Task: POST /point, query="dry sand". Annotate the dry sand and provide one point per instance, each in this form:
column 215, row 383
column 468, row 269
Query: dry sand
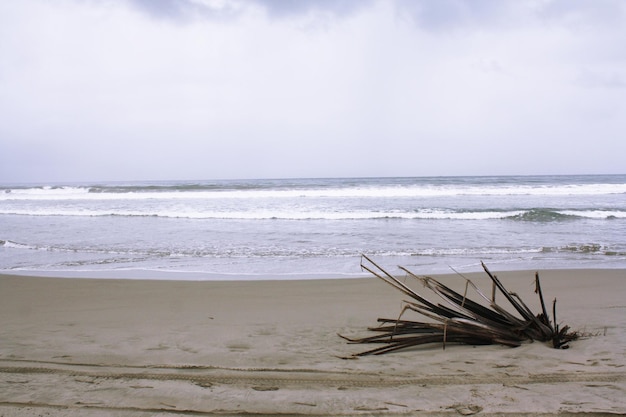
column 92, row 347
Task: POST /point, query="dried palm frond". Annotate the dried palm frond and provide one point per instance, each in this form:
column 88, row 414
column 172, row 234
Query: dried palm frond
column 460, row 319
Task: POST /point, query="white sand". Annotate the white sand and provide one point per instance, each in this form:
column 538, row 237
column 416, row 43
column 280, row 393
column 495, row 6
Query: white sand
column 87, row 347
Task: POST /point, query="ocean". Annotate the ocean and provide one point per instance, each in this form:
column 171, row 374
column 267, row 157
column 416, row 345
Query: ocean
column 312, row 228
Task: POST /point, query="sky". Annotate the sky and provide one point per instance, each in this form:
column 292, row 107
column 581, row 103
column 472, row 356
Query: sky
column 120, row 90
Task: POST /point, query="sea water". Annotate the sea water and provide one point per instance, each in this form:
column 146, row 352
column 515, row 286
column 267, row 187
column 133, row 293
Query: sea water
column 305, row 228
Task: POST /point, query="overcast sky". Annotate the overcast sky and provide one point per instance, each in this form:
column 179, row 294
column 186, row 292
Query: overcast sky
column 97, row 90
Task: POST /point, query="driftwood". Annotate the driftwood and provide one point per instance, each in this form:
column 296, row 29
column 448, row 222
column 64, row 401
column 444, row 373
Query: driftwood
column 460, row 319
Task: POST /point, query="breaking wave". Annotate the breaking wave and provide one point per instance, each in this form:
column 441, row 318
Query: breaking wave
column 305, row 213
column 322, row 188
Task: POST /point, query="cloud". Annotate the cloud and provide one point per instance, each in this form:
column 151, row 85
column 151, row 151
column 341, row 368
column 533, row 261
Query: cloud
column 288, row 8
column 583, row 14
column 453, row 14
column 184, row 9
column 164, row 8
column 207, row 89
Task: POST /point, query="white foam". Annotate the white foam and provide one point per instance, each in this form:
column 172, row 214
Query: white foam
column 43, row 193
column 15, row 245
column 264, row 214
column 475, row 251
column 390, row 191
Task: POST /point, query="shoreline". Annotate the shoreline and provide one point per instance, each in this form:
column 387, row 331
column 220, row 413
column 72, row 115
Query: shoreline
column 194, row 276
column 142, row 347
column 180, row 276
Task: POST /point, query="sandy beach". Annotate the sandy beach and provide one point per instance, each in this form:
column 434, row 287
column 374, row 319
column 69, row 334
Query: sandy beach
column 98, row 347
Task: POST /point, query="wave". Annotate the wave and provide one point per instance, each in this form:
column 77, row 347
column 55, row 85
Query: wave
column 477, row 252
column 306, row 189
column 549, row 215
column 585, row 248
column 526, row 215
column 106, row 251
column 574, row 248
column 15, row 245
column 117, row 255
column 120, row 255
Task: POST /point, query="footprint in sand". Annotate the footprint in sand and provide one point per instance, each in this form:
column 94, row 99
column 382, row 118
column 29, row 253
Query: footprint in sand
column 238, row 347
column 466, row 409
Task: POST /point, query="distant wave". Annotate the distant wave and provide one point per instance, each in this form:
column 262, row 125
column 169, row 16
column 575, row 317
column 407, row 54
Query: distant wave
column 210, row 192
column 529, row 215
column 549, row 215
column 15, row 245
